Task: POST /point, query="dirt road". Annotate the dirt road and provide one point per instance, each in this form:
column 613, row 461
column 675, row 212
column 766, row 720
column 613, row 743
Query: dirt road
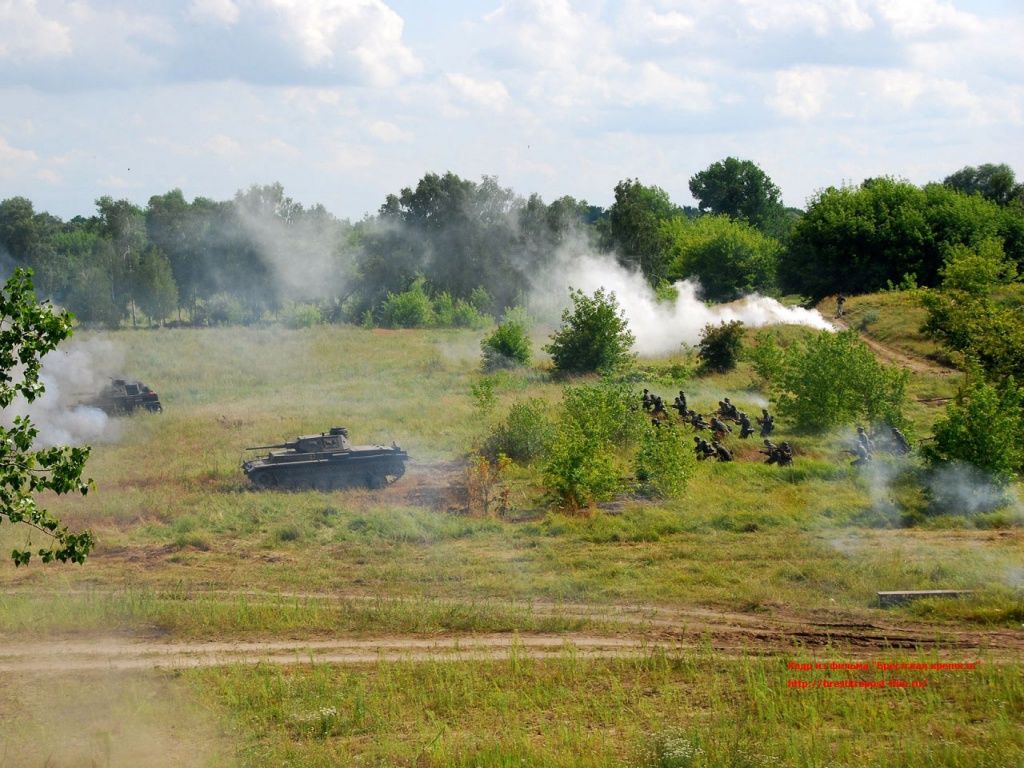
column 625, row 630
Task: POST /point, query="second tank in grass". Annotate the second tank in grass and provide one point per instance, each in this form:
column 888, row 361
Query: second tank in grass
column 324, row 461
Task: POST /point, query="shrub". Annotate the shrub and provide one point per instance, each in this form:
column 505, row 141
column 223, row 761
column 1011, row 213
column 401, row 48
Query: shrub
column 224, row 309
column 523, row 435
column 719, row 346
column 580, row 469
column 303, row 316
column 465, row 315
column 594, row 335
column 767, row 356
column 833, row 379
column 982, row 427
column 507, row 347
column 664, row 463
column 409, row 309
column 595, row 421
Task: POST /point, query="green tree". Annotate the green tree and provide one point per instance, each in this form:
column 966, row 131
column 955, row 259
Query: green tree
column 91, row 299
column 741, row 190
column 594, row 335
column 29, row 330
column 729, row 258
column 155, row 289
column 633, row 228
column 859, row 239
column 833, row 379
column 719, row 346
column 977, row 270
column 995, row 182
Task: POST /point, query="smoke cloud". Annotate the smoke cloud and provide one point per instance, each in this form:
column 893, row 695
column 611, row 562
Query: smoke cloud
column 306, row 254
column 659, row 327
column 71, row 374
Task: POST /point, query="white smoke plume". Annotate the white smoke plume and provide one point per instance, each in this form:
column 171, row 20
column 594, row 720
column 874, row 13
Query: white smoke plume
column 660, row 327
column 73, row 373
column 307, row 254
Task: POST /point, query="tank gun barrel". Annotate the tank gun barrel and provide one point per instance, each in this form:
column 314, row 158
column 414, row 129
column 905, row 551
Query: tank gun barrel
column 292, row 445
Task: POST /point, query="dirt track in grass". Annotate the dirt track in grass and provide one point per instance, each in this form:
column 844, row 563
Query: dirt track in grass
column 633, row 631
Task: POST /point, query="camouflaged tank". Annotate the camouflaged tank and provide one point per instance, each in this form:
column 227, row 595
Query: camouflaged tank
column 122, row 396
column 324, row 461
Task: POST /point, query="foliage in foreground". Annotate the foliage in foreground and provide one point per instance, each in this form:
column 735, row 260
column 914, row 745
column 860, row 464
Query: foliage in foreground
column 594, row 335
column 28, row 331
column 833, row 379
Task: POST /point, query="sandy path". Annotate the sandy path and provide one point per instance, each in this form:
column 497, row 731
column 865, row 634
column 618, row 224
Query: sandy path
column 629, row 630
column 899, row 357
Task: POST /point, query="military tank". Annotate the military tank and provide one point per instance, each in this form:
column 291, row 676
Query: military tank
column 123, row 396
column 324, row 461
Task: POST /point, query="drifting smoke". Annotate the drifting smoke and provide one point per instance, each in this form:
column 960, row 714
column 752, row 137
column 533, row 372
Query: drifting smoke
column 660, row 326
column 71, row 374
column 966, row 490
column 305, row 254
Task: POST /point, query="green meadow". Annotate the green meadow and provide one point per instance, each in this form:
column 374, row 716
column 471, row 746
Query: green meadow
column 188, row 551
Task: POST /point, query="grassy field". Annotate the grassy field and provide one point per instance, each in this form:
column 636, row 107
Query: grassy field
column 188, row 551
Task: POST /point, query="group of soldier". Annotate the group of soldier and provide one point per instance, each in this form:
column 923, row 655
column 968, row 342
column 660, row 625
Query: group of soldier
column 885, row 438
column 781, row 454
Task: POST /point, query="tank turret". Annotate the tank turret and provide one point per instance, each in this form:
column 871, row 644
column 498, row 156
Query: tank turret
column 326, row 460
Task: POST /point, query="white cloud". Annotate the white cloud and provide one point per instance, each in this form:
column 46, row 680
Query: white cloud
column 490, row 94
column 821, row 16
column 327, row 32
column 918, row 17
column 25, row 34
column 223, row 146
column 389, row 133
column 49, row 176
column 800, row 93
column 222, row 12
column 14, row 159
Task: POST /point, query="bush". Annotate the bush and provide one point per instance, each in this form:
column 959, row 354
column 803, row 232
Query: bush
column 767, row 356
column 719, row 346
column 664, row 463
column 580, row 470
column 409, row 309
column 465, row 315
column 595, row 421
column 507, row 347
column 224, row 309
column 833, row 379
column 982, row 427
column 303, row 316
column 594, row 335
column 524, row 434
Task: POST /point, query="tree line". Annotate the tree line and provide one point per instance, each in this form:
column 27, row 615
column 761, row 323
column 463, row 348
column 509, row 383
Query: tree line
column 450, row 250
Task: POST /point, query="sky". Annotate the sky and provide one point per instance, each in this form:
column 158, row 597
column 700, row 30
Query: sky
column 346, row 101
